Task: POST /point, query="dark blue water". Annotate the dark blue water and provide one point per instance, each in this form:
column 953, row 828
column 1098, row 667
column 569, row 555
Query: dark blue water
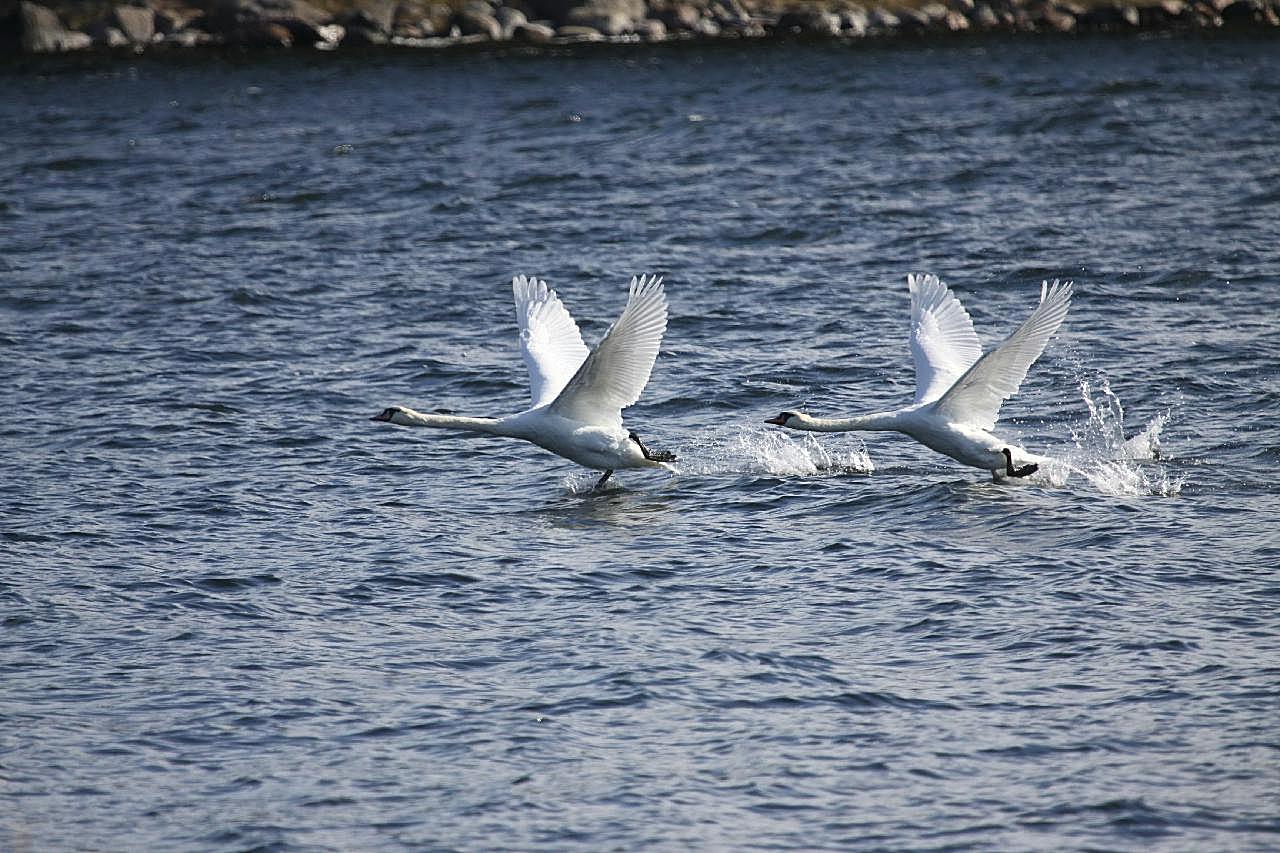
column 235, row 614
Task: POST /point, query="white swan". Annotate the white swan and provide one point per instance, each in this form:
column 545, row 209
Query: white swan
column 959, row 390
column 578, row 397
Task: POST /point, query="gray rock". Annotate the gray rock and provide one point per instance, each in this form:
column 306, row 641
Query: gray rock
column 577, row 32
column 985, row 18
column 913, row 21
column 729, row 13
column 533, row 33
column 416, row 20
column 607, row 22
column 707, row 28
column 935, row 12
column 307, row 25
column 329, row 36
column 474, row 22
column 509, row 18
column 262, row 23
column 610, row 17
column 138, row 23
column 1175, row 10
column 651, row 29
column 187, row 38
column 1057, row 19
column 42, row 32
column 168, row 22
column 105, row 35
column 361, row 35
column 809, row 22
column 680, row 17
column 882, row 19
column 853, row 21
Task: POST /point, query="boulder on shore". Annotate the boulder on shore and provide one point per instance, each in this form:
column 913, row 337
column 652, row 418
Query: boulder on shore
column 40, row 31
column 610, row 17
column 35, row 27
column 808, row 22
column 138, row 23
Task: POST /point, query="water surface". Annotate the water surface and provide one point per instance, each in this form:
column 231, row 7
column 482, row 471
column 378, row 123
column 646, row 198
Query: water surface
column 239, row 615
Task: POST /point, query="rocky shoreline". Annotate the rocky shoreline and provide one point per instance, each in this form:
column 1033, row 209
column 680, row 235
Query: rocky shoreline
column 150, row 25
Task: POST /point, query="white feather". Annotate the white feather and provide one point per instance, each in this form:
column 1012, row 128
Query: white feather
column 943, row 342
column 615, row 373
column 549, row 339
column 976, row 397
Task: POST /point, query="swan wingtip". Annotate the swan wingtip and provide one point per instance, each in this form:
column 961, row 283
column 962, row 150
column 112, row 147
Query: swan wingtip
column 1057, row 289
column 646, row 283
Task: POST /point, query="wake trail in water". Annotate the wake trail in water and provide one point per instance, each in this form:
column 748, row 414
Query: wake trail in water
column 751, row 450
column 755, row 450
column 1100, row 452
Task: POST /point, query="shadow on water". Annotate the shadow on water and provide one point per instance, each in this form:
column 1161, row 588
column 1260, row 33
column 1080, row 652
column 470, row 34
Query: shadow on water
column 640, row 499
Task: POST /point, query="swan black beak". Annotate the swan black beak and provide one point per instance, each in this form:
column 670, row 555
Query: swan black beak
column 777, row 421
column 382, row 416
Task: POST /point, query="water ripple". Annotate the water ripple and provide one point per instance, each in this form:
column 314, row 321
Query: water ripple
column 236, row 614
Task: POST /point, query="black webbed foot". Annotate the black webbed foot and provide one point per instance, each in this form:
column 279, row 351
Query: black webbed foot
column 1010, row 471
column 601, row 481
column 652, row 455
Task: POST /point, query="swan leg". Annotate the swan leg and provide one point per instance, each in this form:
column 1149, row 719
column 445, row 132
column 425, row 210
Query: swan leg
column 607, row 475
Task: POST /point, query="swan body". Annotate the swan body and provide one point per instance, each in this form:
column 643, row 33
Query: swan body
column 577, row 395
column 959, row 391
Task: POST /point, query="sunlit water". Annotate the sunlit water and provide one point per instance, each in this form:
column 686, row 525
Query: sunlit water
column 236, row 614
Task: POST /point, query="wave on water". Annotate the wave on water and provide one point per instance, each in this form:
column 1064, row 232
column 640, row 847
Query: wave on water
column 1112, row 462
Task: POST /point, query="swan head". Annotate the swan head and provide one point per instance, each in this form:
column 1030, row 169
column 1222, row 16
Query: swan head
column 392, row 415
column 787, row 419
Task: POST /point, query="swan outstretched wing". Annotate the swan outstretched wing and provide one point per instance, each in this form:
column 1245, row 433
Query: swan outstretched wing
column 615, row 373
column 976, row 396
column 549, row 339
column 943, row 342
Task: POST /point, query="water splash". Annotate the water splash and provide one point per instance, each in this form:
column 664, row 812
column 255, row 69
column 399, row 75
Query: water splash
column 1100, row 453
column 752, row 450
column 755, row 450
column 1113, row 463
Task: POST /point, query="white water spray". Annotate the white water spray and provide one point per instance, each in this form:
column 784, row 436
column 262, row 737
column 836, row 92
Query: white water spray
column 1113, row 463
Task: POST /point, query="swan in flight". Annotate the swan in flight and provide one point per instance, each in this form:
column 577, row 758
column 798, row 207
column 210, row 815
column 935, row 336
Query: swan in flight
column 578, row 396
column 959, row 390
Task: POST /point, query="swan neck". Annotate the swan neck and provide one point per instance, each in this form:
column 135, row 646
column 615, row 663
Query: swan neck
column 493, row 426
column 877, row 421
